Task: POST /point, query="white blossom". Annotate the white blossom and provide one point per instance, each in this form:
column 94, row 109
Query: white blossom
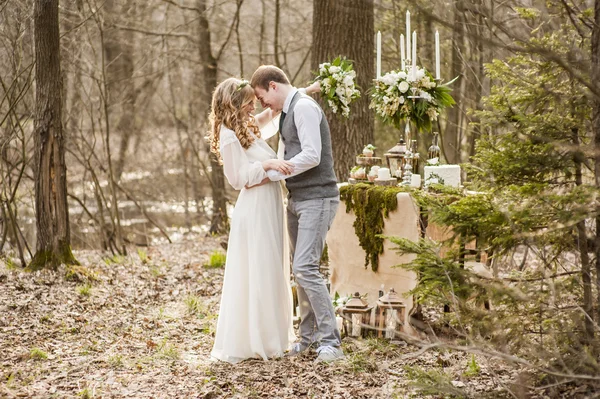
column 425, row 95
column 403, row 86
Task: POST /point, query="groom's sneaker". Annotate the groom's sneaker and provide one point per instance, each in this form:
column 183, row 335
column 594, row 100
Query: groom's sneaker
column 298, row 348
column 329, row 354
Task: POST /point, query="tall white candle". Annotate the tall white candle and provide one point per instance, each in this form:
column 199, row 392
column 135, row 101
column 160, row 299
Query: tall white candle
column 407, row 33
column 378, row 55
column 402, row 53
column 437, row 54
column 414, row 53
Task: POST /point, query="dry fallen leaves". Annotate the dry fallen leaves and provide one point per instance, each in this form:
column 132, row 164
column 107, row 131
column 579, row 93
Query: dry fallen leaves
column 143, row 327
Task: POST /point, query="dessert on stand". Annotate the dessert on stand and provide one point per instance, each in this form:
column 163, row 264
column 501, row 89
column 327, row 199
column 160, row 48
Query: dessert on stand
column 366, row 167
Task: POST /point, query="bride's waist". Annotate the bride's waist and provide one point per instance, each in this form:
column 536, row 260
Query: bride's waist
column 268, row 185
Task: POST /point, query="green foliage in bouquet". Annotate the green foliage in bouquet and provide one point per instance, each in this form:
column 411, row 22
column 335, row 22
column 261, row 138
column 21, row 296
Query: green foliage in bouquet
column 338, row 86
column 398, row 96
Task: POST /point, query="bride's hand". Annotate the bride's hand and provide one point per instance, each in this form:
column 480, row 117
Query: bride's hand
column 313, row 88
column 279, row 165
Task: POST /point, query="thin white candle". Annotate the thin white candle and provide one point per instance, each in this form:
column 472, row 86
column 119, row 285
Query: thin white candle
column 437, row 55
column 402, row 53
column 378, row 55
column 414, row 54
column 407, row 33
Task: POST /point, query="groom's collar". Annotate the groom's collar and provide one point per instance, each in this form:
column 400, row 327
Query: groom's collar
column 288, row 99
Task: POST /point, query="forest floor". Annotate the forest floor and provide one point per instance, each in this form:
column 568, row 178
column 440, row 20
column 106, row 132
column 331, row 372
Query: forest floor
column 142, row 326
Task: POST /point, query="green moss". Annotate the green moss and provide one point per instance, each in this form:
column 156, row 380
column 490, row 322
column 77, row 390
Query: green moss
column 371, row 205
column 79, row 273
column 51, row 259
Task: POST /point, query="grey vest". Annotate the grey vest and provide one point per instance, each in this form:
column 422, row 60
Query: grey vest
column 320, row 181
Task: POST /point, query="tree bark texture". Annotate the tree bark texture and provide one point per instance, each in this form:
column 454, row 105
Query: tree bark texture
column 451, row 137
column 595, row 75
column 346, row 27
column 219, row 222
column 52, row 213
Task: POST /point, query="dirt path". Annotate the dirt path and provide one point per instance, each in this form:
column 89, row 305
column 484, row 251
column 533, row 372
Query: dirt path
column 143, row 328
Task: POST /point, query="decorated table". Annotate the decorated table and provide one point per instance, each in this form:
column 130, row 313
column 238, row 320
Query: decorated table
column 348, row 273
column 355, row 262
column 377, row 199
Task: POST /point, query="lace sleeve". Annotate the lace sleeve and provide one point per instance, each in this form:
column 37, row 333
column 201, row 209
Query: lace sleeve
column 227, row 137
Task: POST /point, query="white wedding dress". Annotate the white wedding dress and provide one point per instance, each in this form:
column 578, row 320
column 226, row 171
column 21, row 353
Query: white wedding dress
column 255, row 315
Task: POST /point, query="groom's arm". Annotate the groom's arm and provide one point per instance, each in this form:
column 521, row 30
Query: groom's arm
column 307, row 118
column 265, row 117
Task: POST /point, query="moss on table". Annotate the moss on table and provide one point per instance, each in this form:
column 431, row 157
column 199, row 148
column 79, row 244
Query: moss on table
column 371, row 205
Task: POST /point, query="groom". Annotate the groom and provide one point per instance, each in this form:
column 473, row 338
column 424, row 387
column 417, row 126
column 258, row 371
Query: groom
column 313, row 201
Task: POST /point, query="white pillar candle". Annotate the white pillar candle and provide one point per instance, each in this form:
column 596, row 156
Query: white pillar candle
column 383, row 174
column 414, row 54
column 407, row 33
column 378, row 55
column 415, row 180
column 402, row 53
column 437, row 54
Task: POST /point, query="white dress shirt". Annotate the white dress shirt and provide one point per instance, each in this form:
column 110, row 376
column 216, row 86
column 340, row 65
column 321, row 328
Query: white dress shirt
column 307, row 118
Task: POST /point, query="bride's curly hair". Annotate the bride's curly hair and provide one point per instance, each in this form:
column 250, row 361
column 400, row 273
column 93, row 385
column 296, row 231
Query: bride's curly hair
column 228, row 101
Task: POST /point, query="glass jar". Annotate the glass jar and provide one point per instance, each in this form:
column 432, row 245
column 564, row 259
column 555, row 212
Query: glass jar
column 434, row 149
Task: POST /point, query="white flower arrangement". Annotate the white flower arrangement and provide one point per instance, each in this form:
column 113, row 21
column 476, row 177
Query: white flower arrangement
column 402, row 95
column 338, row 85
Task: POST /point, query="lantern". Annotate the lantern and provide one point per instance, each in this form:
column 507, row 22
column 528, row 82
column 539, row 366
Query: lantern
column 390, row 314
column 395, row 158
column 356, row 315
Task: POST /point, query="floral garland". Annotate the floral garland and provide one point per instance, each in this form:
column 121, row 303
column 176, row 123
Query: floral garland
column 404, row 95
column 338, row 85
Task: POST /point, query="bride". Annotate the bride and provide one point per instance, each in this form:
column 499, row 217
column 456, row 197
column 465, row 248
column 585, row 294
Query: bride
column 255, row 315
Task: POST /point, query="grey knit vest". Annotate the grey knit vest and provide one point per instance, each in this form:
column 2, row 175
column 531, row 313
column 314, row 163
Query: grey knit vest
column 320, row 181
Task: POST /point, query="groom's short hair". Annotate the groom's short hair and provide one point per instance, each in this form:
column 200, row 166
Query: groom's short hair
column 268, row 73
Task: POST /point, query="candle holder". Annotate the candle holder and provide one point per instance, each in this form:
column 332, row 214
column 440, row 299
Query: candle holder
column 395, row 158
column 407, row 175
column 434, row 149
column 416, row 157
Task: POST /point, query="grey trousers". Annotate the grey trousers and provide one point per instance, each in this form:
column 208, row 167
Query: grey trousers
column 308, row 223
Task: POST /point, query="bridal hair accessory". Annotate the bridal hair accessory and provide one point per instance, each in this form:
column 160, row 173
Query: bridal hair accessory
column 242, row 84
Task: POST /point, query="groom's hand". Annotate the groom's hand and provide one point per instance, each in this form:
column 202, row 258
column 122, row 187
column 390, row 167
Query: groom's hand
column 264, row 181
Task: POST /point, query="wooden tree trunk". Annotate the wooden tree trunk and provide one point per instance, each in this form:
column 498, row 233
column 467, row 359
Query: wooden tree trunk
column 595, row 75
column 451, row 136
column 582, row 243
column 346, row 27
column 478, row 57
column 219, row 222
column 52, row 213
column 118, row 50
